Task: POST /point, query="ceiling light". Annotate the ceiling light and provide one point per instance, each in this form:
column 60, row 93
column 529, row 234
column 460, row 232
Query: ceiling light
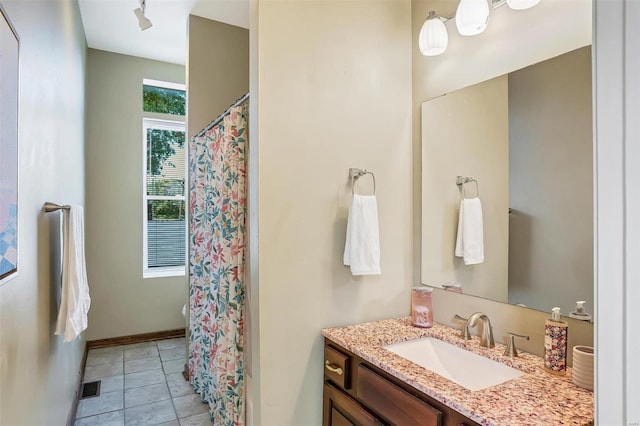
column 433, row 38
column 144, row 23
column 472, row 17
column 522, row 4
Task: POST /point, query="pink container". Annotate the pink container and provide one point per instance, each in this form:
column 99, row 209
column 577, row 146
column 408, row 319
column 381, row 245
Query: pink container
column 421, row 307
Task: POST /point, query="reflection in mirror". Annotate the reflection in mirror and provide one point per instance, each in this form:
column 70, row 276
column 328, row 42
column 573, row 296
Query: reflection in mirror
column 526, row 137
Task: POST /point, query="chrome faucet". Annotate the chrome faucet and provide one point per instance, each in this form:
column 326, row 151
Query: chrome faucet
column 486, row 337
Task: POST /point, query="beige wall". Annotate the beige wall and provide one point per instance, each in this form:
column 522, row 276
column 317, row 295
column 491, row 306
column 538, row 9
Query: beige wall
column 124, row 303
column 217, row 69
column 550, row 183
column 479, row 149
column 463, row 64
column 334, row 90
column 38, row 372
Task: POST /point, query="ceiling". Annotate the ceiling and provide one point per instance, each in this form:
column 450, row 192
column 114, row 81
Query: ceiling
column 111, row 25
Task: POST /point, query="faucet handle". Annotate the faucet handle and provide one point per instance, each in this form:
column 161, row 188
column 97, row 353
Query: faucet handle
column 465, row 326
column 511, row 347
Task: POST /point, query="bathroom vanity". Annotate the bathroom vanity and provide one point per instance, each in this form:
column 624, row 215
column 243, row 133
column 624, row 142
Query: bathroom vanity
column 367, row 384
column 356, row 392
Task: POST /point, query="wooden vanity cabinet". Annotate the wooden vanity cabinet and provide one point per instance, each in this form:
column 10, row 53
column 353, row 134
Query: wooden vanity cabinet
column 358, row 393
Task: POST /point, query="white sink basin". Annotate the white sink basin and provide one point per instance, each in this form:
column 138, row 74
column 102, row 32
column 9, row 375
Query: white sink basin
column 467, row 369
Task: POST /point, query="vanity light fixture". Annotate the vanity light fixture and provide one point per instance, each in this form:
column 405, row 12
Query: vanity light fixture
column 522, row 4
column 433, row 39
column 472, row 17
column 143, row 21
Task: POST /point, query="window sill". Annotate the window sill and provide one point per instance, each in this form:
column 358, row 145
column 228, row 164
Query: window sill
column 178, row 271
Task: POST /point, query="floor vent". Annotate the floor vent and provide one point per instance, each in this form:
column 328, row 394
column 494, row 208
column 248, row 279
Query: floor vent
column 90, row 389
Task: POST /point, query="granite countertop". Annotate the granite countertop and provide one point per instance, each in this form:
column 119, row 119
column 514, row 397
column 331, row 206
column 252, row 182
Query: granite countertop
column 536, row 398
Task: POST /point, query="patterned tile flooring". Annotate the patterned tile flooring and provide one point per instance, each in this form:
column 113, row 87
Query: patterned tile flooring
column 141, row 384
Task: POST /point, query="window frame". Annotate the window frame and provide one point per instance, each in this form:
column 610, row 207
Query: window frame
column 172, row 125
column 164, row 85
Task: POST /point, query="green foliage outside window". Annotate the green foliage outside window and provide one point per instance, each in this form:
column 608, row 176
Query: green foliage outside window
column 165, row 210
column 167, row 101
column 161, row 144
column 158, row 185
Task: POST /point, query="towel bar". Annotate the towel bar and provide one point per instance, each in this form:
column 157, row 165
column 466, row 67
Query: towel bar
column 52, row 207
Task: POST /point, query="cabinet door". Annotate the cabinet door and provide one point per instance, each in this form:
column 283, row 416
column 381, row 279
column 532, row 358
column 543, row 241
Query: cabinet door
column 341, row 410
column 337, row 419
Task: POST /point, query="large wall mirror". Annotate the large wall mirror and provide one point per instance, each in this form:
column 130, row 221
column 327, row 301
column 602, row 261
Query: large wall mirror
column 526, row 137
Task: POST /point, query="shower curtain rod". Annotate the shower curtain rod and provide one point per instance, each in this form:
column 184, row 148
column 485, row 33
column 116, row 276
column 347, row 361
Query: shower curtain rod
column 221, row 116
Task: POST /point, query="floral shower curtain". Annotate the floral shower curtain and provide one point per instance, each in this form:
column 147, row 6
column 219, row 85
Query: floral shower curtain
column 217, row 207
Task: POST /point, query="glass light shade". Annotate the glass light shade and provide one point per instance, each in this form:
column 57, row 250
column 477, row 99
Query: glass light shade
column 472, row 17
column 433, row 39
column 522, row 4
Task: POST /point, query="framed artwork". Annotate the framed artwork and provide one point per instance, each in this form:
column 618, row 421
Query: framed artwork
column 8, row 149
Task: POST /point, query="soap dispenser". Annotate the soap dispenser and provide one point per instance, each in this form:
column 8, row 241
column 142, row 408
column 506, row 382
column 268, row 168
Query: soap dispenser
column 580, row 313
column 555, row 343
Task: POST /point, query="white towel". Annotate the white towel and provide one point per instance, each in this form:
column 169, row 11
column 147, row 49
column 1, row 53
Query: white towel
column 362, row 246
column 470, row 240
column 74, row 306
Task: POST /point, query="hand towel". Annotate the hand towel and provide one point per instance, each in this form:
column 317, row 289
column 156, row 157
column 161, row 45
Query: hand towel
column 470, row 239
column 362, row 246
column 75, row 303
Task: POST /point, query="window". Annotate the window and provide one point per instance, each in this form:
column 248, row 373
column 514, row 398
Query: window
column 163, row 97
column 164, row 220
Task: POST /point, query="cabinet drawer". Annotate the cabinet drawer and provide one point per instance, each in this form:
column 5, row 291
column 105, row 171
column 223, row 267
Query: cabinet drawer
column 394, row 404
column 337, row 367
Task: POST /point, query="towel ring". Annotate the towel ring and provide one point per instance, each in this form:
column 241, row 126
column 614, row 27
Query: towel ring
column 355, row 174
column 461, row 181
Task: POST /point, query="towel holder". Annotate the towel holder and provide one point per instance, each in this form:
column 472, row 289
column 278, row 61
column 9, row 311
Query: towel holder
column 462, row 180
column 355, row 174
column 52, row 207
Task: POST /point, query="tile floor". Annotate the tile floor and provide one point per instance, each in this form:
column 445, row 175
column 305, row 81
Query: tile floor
column 141, row 384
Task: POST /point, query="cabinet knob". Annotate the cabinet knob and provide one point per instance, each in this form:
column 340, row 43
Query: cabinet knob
column 333, row 368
